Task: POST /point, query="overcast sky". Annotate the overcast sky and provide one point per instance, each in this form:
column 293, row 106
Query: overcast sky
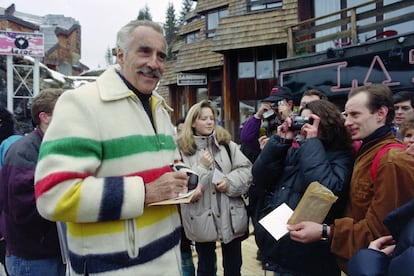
column 99, row 19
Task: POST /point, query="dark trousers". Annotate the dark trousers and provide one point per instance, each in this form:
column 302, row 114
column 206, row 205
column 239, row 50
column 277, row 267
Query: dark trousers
column 232, row 258
column 187, row 264
column 3, row 253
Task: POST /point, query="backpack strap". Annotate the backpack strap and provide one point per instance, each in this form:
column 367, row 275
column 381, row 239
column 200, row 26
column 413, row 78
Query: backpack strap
column 378, row 156
column 228, row 151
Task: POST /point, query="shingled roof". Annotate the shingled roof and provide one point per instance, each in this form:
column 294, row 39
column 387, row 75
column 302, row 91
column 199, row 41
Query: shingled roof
column 255, row 29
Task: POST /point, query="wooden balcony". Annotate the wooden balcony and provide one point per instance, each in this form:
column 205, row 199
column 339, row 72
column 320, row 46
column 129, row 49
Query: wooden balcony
column 303, row 38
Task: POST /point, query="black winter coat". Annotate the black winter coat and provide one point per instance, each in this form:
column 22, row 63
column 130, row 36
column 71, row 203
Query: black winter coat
column 369, row 262
column 281, row 174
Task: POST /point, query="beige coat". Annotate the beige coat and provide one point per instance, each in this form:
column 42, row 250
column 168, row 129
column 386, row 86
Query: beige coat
column 218, row 216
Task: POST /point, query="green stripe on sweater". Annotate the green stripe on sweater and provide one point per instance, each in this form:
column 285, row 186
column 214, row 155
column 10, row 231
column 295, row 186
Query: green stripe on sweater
column 114, row 148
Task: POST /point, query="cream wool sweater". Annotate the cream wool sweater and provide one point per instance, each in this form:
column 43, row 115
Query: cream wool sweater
column 97, row 154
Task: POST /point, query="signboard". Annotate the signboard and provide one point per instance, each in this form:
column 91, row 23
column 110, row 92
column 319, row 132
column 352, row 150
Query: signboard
column 392, row 67
column 18, row 43
column 191, row 79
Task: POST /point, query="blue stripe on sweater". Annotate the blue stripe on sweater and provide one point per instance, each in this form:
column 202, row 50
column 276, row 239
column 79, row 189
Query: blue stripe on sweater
column 112, row 199
column 116, row 261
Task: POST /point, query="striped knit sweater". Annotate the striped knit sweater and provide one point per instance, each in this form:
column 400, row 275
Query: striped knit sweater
column 97, row 154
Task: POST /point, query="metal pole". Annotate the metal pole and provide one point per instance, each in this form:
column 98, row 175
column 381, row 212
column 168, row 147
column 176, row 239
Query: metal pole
column 10, row 86
column 36, row 77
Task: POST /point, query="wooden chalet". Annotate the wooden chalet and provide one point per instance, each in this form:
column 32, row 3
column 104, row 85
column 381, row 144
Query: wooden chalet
column 231, row 51
column 62, row 37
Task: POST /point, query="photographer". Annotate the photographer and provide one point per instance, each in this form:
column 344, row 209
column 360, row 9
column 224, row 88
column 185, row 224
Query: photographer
column 273, row 110
column 283, row 171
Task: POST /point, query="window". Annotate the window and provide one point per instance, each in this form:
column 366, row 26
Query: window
column 323, row 8
column 213, row 20
column 363, row 36
column 264, row 69
column 258, row 63
column 246, row 64
column 257, row 5
column 202, row 94
column 402, row 27
column 192, row 37
column 264, row 64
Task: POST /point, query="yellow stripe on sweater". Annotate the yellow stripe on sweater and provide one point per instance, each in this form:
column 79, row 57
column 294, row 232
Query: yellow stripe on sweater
column 70, row 198
column 152, row 215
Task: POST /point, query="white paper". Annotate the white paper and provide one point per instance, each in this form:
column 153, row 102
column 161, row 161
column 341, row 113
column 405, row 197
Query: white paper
column 217, row 176
column 185, row 195
column 276, row 221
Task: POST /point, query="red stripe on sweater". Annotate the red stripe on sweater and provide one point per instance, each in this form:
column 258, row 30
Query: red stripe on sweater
column 54, row 179
column 151, row 175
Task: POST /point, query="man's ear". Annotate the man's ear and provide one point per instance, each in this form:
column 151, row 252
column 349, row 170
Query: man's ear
column 44, row 118
column 382, row 113
column 120, row 56
column 290, row 103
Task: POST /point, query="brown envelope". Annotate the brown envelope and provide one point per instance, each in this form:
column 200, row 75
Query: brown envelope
column 314, row 204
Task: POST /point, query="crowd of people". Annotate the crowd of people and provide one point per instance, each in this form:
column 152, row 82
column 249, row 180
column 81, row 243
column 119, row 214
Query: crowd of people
column 31, row 240
column 88, row 191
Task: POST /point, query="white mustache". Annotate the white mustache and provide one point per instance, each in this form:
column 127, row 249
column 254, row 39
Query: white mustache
column 146, row 70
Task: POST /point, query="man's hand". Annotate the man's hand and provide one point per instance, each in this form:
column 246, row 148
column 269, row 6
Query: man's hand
column 306, row 232
column 265, row 106
column 167, row 186
column 385, row 244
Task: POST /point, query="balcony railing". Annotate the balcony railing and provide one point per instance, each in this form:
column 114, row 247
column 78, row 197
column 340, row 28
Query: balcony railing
column 303, row 37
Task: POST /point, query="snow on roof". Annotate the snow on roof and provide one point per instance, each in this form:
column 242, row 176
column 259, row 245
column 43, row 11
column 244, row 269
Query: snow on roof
column 55, row 75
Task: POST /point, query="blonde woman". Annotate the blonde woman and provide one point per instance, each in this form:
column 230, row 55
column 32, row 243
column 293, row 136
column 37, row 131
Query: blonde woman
column 224, row 175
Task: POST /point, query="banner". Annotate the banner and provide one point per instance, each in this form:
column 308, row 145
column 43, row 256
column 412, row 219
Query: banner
column 18, row 43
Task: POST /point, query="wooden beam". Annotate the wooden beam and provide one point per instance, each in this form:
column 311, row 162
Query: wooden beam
column 325, row 38
column 290, row 44
column 354, row 30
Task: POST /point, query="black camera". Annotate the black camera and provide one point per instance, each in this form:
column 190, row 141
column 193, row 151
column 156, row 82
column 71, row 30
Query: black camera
column 298, row 122
column 192, row 176
column 271, row 112
column 192, row 181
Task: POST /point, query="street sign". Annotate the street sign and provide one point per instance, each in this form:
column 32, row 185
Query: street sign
column 18, row 43
column 191, row 79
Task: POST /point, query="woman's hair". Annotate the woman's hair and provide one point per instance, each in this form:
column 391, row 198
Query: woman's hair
column 185, row 140
column 123, row 38
column 7, row 123
column 332, row 131
column 406, row 124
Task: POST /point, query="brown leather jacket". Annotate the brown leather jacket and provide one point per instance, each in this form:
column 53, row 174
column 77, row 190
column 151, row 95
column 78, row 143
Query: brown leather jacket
column 370, row 202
